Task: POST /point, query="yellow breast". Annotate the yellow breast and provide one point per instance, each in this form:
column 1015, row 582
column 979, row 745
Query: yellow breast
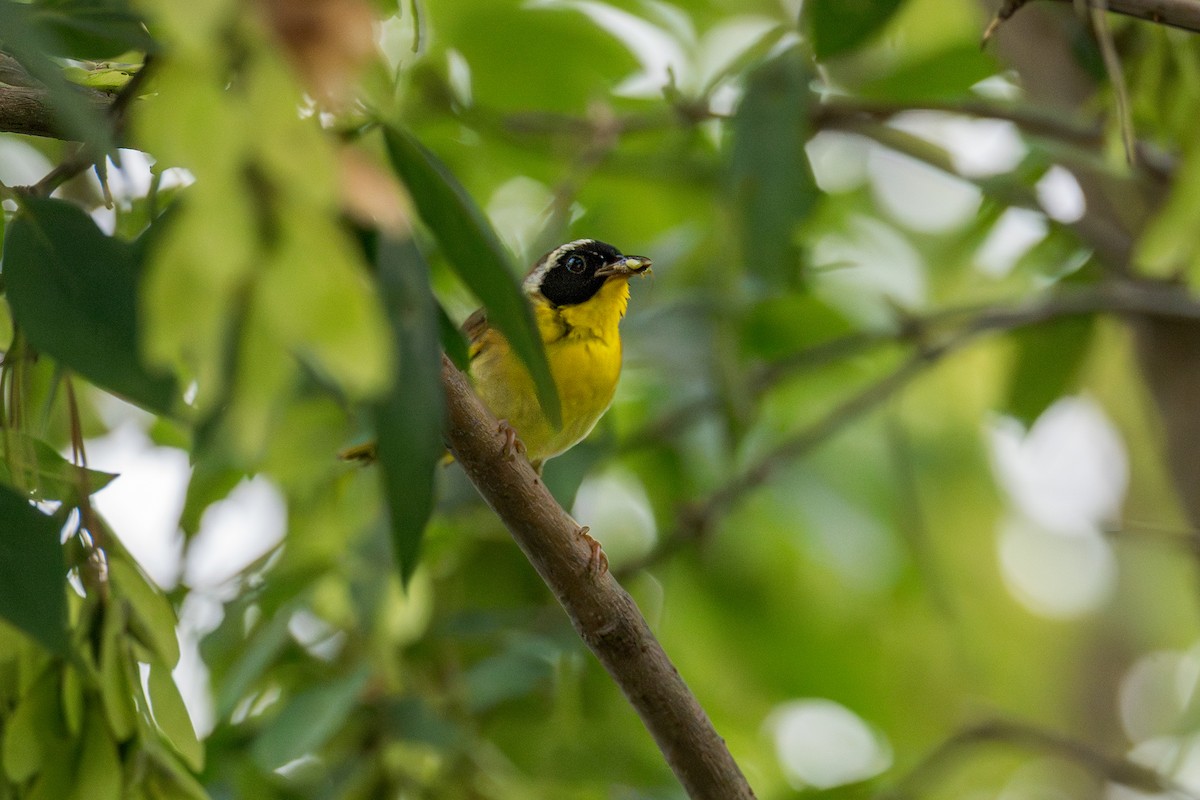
column 584, row 349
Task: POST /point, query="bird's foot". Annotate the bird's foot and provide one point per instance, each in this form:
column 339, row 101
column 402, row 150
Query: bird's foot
column 597, row 563
column 512, row 445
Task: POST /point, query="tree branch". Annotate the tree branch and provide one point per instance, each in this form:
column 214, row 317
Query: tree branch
column 603, row 614
column 1111, row 242
column 27, row 109
column 1182, row 14
column 1116, row 770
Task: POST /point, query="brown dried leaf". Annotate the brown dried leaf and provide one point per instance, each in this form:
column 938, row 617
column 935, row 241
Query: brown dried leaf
column 370, row 193
column 328, row 42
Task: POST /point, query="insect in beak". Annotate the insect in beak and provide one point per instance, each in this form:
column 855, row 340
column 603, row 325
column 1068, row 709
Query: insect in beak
column 626, row 265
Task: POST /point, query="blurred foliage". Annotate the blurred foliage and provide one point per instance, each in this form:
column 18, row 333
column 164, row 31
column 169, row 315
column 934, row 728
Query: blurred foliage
column 881, row 464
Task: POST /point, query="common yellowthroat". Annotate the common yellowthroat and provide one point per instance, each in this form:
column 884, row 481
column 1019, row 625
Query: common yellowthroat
column 579, row 292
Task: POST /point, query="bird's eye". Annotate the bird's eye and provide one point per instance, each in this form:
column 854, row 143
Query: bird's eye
column 574, row 264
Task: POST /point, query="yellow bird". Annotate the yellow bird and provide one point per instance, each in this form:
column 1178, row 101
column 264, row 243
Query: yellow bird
column 579, row 292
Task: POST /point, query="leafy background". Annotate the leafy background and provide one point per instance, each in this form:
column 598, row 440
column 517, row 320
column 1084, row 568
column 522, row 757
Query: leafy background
column 904, row 442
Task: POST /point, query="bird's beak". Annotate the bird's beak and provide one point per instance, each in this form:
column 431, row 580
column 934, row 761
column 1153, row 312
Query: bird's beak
column 626, row 266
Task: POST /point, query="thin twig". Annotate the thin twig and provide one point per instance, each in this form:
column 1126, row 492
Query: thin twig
column 77, row 160
column 1116, row 76
column 801, row 444
column 1109, row 768
column 1005, row 189
column 1113, row 242
column 1115, row 297
column 1124, row 298
column 604, row 615
column 933, row 343
column 819, row 355
column 696, row 519
column 79, row 458
column 834, row 113
column 1187, row 539
column 1031, row 120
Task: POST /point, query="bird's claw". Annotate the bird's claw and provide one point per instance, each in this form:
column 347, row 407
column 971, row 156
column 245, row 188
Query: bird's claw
column 512, row 445
column 597, row 563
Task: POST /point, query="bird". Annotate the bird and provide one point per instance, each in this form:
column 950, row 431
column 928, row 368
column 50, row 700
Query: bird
column 579, row 292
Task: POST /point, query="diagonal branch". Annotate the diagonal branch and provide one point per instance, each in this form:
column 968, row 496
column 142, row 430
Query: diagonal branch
column 1032, row 120
column 1139, row 298
column 935, row 336
column 1152, row 299
column 604, row 615
column 1109, row 768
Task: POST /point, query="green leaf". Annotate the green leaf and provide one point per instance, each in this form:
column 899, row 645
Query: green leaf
column 168, row 779
column 945, row 74
column 73, row 291
column 784, row 325
column 151, row 617
column 115, row 692
column 415, row 720
column 408, row 422
column 73, row 109
column 253, row 657
column 55, row 784
column 309, row 720
column 171, row 716
column 1059, row 254
column 313, row 296
column 526, row 663
column 112, row 80
column 37, row 467
column 476, row 254
column 33, row 574
column 34, row 734
column 90, row 29
column 211, row 481
column 838, row 26
column 1049, row 358
column 1169, row 244
column 72, row 699
column 98, row 776
column 773, row 188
